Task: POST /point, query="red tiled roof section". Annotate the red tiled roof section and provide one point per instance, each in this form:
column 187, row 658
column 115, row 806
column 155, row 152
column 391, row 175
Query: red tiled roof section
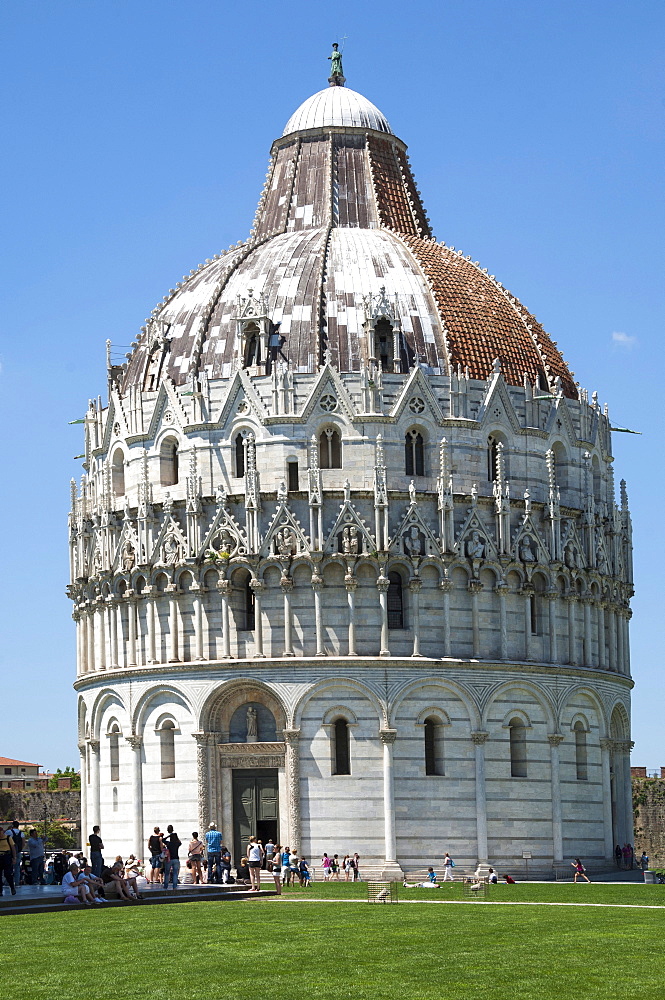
column 481, row 323
column 9, row 761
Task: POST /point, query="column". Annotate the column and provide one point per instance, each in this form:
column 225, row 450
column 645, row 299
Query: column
column 77, row 620
column 624, row 747
column 173, row 651
column 612, row 623
column 198, row 627
column 94, row 805
column 621, row 635
column 292, row 741
column 527, row 593
column 572, row 653
column 113, row 635
column 136, row 743
column 474, row 589
column 479, row 738
column 119, row 635
column 552, row 596
column 83, row 625
column 382, row 584
column 224, row 588
column 286, row 584
column 258, row 588
column 317, row 587
column 626, row 643
column 415, row 586
column 554, row 739
column 131, row 629
column 84, row 793
column 203, row 777
column 587, row 603
column 606, row 747
column 150, row 613
column 602, row 656
column 351, row 586
column 501, row 589
column 90, row 630
column 101, row 634
column 388, row 737
column 445, row 586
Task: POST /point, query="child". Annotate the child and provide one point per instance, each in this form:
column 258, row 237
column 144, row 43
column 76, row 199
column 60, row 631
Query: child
column 431, row 874
column 579, row 870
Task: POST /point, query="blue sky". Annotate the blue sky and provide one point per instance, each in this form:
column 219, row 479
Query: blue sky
column 136, row 139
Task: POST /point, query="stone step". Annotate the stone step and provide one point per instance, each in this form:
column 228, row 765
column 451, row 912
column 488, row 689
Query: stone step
column 11, row 905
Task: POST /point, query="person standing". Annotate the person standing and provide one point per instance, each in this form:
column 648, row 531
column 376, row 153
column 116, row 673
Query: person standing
column 448, row 865
column 356, row 867
column 254, row 862
column 18, row 839
column 214, row 846
column 96, row 848
column 644, row 861
column 155, row 849
column 173, row 844
column 36, row 850
column 196, row 848
column 7, row 859
column 270, row 850
column 325, row 864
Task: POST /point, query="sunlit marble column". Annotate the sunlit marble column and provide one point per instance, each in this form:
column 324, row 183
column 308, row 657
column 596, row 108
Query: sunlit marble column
column 445, row 586
column 94, row 804
column 415, row 586
column 317, row 587
column 351, row 586
column 479, row 738
column 554, row 740
column 224, row 589
column 258, row 588
column 606, row 748
column 388, row 737
column 474, row 589
column 382, row 585
column 286, row 583
column 113, row 634
column 203, row 770
column 84, row 791
column 292, row 741
column 136, row 743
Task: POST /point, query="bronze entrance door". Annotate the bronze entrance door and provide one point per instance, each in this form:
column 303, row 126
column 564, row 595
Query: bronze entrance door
column 255, row 807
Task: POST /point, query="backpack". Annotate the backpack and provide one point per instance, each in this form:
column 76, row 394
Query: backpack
column 18, row 839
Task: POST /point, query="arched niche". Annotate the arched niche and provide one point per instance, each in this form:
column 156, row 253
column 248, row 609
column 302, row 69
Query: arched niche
column 226, row 712
column 262, row 720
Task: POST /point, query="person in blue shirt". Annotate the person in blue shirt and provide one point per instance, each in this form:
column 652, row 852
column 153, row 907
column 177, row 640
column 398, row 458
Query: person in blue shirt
column 214, row 847
column 286, row 872
column 431, row 874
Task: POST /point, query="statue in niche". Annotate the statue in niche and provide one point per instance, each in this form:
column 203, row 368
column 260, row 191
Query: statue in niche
column 170, row 549
column 526, row 552
column 285, row 543
column 224, row 541
column 220, row 496
column 350, row 540
column 128, row 557
column 601, row 561
column 570, row 556
column 475, row 547
column 413, row 545
column 412, row 493
column 252, row 732
column 282, row 492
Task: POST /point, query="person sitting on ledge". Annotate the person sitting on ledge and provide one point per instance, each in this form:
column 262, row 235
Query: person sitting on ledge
column 75, row 889
column 242, row 873
column 96, row 885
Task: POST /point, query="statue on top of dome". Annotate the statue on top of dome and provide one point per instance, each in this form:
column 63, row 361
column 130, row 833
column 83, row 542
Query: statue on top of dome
column 336, row 78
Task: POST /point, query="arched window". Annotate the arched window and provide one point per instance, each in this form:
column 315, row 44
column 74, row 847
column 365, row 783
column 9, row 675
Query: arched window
column 118, row 473
column 395, row 601
column 252, row 340
column 341, row 756
column 330, row 449
column 580, row 751
column 517, row 748
column 240, row 456
column 414, row 454
column 384, row 344
column 167, row 748
column 560, row 465
column 433, row 746
column 597, row 480
column 250, row 609
column 114, row 752
column 168, row 463
column 492, row 458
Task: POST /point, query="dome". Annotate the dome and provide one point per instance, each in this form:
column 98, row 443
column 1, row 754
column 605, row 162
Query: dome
column 337, row 107
column 340, row 221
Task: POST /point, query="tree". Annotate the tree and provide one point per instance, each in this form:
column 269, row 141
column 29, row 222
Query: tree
column 69, row 772
column 58, row 836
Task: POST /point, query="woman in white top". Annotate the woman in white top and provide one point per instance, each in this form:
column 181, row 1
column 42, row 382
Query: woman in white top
column 254, row 861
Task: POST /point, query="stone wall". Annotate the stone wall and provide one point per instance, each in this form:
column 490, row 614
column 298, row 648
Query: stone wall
column 30, row 807
column 649, row 810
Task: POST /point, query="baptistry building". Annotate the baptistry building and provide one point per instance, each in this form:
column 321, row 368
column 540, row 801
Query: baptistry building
column 347, row 565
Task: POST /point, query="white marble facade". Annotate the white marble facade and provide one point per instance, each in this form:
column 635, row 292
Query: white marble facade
column 418, row 580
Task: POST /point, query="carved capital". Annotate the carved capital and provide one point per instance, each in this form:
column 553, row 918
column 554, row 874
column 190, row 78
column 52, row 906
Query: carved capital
column 572, row 598
column 350, row 583
column 81, row 747
column 479, row 737
column 474, row 586
column 291, row 737
column 388, row 736
column 203, row 739
column 135, row 742
column 607, row 744
column 224, row 587
column 286, row 583
column 550, row 595
column 415, row 585
column 445, row 586
column 382, row 584
column 554, row 739
column 94, row 746
column 258, row 586
column 501, row 589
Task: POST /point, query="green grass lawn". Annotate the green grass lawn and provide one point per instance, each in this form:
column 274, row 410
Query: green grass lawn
column 283, row 949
